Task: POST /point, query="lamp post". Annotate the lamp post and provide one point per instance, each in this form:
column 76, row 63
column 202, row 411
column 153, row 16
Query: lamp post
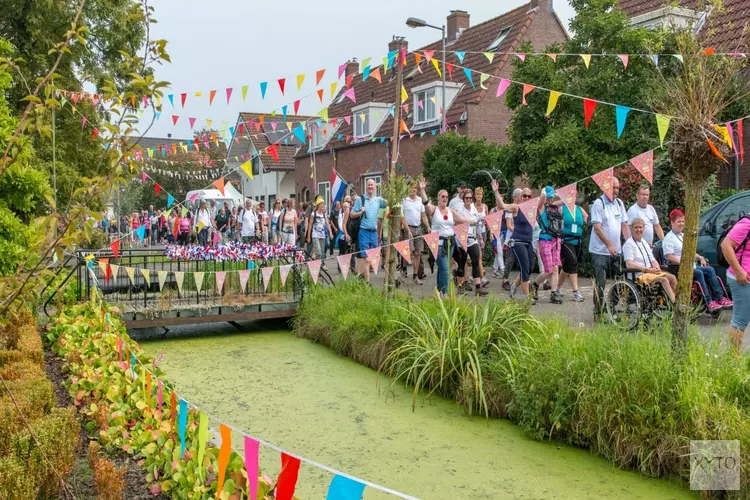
column 414, row 22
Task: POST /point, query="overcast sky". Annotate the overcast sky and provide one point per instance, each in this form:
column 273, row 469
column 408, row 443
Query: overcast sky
column 230, row 43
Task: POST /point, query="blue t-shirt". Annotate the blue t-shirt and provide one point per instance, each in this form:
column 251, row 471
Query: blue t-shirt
column 572, row 234
column 372, row 207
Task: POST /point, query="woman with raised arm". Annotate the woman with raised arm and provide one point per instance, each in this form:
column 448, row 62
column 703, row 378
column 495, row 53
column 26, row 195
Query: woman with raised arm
column 442, row 220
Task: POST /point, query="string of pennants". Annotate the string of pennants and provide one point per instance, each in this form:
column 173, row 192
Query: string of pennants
column 342, row 487
column 184, row 174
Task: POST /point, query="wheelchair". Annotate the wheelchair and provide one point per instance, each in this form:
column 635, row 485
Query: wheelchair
column 628, row 302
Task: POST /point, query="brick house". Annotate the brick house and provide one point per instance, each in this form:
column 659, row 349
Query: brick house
column 359, row 149
column 727, row 30
column 271, row 179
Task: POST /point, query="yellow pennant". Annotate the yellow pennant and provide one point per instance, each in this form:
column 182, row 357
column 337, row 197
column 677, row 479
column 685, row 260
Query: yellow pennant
column 209, row 123
column 334, row 85
column 437, row 67
column 198, row 280
column 198, row 94
column 146, row 276
column 131, row 274
column 179, row 278
column 490, row 56
column 483, row 78
column 200, row 225
column 724, row 133
column 162, row 278
column 300, row 81
column 244, row 92
column 404, row 95
column 586, row 59
column 248, row 169
column 662, row 123
column 554, row 95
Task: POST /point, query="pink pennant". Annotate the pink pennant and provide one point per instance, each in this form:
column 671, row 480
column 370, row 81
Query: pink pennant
column 174, row 119
column 462, row 234
column 75, row 98
column 403, row 247
column 83, row 121
column 220, row 277
column 644, row 163
column 296, row 106
column 433, row 241
column 216, row 238
column 344, row 261
column 314, row 267
column 284, row 272
column 273, row 126
column 350, row 94
column 144, row 176
column 521, row 56
column 568, row 195
column 605, row 181
column 267, row 272
column 624, row 58
column 348, row 119
column 192, row 122
column 244, row 275
column 502, row 87
column 229, row 93
column 529, row 209
column 420, row 104
column 193, row 197
column 494, row 222
column 251, row 465
column 159, row 395
column 342, row 68
column 119, row 348
column 428, row 54
column 373, row 258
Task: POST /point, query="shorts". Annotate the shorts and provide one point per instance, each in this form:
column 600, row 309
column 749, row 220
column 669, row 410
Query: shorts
column 741, row 299
column 549, row 252
column 367, row 239
column 570, row 255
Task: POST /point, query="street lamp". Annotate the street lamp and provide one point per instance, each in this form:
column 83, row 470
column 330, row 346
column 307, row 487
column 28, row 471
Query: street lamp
column 414, row 22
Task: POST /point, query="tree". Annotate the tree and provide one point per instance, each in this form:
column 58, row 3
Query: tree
column 454, row 158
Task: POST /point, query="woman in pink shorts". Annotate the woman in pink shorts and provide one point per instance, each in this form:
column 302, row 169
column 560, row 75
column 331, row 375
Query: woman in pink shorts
column 550, row 241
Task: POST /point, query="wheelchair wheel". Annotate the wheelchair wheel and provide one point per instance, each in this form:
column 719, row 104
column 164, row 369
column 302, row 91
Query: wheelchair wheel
column 660, row 305
column 624, row 304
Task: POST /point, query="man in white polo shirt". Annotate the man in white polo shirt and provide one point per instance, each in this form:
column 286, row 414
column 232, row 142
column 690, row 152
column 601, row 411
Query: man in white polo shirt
column 642, row 210
column 415, row 216
column 610, row 225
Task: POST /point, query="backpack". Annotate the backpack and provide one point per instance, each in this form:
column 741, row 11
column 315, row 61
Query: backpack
column 352, row 225
column 590, row 223
column 555, row 222
column 742, row 247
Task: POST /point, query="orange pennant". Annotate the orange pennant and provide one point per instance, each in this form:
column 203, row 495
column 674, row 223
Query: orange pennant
column 211, row 96
column 148, row 387
column 403, row 249
column 319, row 76
column 320, row 95
column 219, row 183
column 376, row 74
column 715, row 151
column 403, row 127
column 526, row 89
column 224, row 452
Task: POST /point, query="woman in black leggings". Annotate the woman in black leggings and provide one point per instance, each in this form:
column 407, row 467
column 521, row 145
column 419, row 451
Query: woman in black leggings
column 523, row 251
column 468, row 211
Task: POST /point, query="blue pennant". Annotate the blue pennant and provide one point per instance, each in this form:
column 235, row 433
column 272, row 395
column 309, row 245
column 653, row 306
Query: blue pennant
column 621, row 113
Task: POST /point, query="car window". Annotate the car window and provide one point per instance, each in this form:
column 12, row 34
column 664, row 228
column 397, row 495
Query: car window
column 732, row 212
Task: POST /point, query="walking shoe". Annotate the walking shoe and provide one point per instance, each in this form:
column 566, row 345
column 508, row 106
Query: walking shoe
column 506, row 285
column 553, row 298
column 512, row 288
column 725, row 303
column 484, row 282
column 468, row 287
column 418, row 281
column 577, row 296
column 559, row 293
column 714, row 306
column 496, row 274
column 534, row 291
column 546, row 286
column 481, row 292
column 461, row 290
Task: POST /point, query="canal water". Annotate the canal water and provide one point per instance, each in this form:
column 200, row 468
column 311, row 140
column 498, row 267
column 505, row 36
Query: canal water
column 304, row 398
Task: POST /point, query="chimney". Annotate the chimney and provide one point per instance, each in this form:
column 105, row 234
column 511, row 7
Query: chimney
column 458, row 21
column 544, row 4
column 398, row 43
column 352, row 67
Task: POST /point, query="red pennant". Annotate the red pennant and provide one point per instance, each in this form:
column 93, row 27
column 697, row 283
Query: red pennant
column 273, row 152
column 644, row 163
column 287, row 477
column 462, row 234
column 605, row 181
column 588, row 110
column 449, row 67
column 174, row 119
column 115, row 247
column 568, row 195
column 107, row 274
column 349, row 80
column 433, row 240
column 320, row 95
column 740, row 141
column 319, row 76
column 183, row 97
column 157, row 189
column 530, row 209
column 211, row 96
column 95, row 133
column 296, row 107
column 526, row 89
column 403, row 247
column 219, row 183
column 282, row 84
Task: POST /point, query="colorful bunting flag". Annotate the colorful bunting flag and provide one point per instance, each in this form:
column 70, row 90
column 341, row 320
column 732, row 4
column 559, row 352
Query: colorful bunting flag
column 662, row 123
column 247, row 167
column 211, row 96
column 252, row 466
column 198, row 277
column 244, row 275
column 229, row 91
column 319, row 76
column 468, row 74
column 624, row 58
column 263, row 88
column 220, row 276
column 605, row 181
column 350, row 94
column 527, row 87
column 266, row 272
column 621, row 114
column 404, row 95
column 554, row 95
column 644, row 163
column 162, row 277
column 521, row 56
column 202, row 439
column 462, row 234
column 147, row 277
column 716, row 151
column 219, row 183
column 314, row 267
column 437, row 67
column 529, row 209
column 586, row 59
column 483, row 77
column 225, row 452
column 115, row 270
column 494, row 222
column 287, row 480
column 179, row 277
column 344, row 261
column 344, row 488
column 115, row 247
column 300, row 81
column 244, row 92
column 141, row 232
column 460, row 56
column 403, row 247
column 183, row 97
column 552, row 56
column 433, row 241
column 182, row 426
column 568, row 195
column 502, row 87
column 273, row 151
column 373, row 258
column 588, row 110
column 284, row 272
column 282, row 85
column 740, row 141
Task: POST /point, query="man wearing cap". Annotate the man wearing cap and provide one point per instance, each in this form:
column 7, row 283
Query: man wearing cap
column 458, row 200
column 367, row 209
column 551, row 225
column 202, row 222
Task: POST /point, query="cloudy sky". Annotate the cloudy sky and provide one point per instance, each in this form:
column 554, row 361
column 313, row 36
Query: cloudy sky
column 231, row 43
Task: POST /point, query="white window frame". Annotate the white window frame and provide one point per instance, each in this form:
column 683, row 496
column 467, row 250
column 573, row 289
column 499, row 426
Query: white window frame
column 361, row 127
column 500, row 38
column 425, row 97
column 324, row 190
column 373, row 123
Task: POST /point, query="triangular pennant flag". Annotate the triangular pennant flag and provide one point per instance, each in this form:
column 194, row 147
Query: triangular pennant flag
column 644, row 163
column 740, row 141
column 716, row 151
column 323, row 113
column 373, row 258
column 437, row 67
column 192, row 122
column 179, row 277
column 588, row 110
column 287, row 480
column 229, row 93
column 211, row 96
column 296, row 106
column 157, row 188
column 730, row 136
column 225, row 451
column 162, row 276
column 521, row 56
column 300, row 81
column 131, row 274
column 115, row 270
column 263, row 88
column 350, row 94
column 219, row 183
column 554, row 95
column 403, row 247
column 244, row 275
column 462, row 234
column 467, row 72
column 198, row 277
column 115, row 247
column 662, row 123
column 319, row 76
column 171, row 99
column 183, row 97
column 345, row 488
column 502, row 87
column 334, row 85
column 282, row 84
column 170, row 200
column 404, row 95
column 314, row 267
column 490, row 56
column 428, row 54
column 483, row 78
column 460, row 56
column 568, row 195
column 624, row 58
column 284, row 272
column 621, row 114
column 266, row 272
column 433, row 240
column 273, row 151
column 449, row 67
column 144, row 176
column 344, row 261
column 141, row 232
column 248, row 169
column 605, row 181
column 552, row 56
column 655, row 59
column 244, row 92
column 529, row 209
column 494, row 223
column 349, row 80
column 299, row 132
column 586, row 59
column 527, row 87
column 376, row 74
column 146, row 276
column 678, row 57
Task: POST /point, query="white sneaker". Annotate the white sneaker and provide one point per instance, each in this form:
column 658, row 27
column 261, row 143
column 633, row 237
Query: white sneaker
column 559, row 293
column 418, row 281
column 497, row 274
column 577, row 296
column 513, row 288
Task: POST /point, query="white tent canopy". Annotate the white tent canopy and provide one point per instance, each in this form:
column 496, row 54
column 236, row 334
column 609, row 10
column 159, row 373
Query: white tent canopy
column 231, row 195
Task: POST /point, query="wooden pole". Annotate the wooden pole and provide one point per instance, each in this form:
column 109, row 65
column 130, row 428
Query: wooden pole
column 395, row 219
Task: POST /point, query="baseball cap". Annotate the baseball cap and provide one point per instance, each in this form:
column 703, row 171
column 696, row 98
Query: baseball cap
column 549, row 192
column 460, row 184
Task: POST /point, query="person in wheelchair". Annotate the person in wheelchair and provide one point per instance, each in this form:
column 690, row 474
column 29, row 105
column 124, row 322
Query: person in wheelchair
column 704, row 274
column 638, row 256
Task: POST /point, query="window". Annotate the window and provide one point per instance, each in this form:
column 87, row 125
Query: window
column 378, row 181
column 362, row 123
column 496, row 44
column 271, row 200
column 256, row 163
column 324, row 190
column 731, row 213
column 427, row 110
column 318, row 137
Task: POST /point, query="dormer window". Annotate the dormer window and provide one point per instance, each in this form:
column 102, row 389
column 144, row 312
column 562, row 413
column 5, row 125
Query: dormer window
column 425, row 106
column 499, row 40
column 367, row 118
column 362, row 124
column 428, row 100
column 321, row 135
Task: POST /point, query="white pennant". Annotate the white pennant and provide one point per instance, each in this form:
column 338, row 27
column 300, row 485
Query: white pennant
column 162, row 279
column 198, row 276
column 179, row 278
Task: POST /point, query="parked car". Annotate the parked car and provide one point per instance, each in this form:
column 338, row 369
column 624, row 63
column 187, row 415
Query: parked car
column 715, row 220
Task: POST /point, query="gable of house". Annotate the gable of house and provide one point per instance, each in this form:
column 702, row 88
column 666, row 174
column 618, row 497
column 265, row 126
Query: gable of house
column 264, row 130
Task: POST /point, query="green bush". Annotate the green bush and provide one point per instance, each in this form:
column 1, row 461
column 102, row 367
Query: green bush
column 15, row 480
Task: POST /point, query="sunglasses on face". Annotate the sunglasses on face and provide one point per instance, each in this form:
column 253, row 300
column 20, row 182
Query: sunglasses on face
column 526, row 196
column 468, row 198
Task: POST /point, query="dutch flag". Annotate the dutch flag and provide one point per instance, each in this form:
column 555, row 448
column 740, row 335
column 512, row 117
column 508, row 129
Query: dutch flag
column 338, row 187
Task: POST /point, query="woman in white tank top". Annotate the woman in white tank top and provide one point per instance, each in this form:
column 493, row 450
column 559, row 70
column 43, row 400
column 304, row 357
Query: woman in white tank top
column 443, row 219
